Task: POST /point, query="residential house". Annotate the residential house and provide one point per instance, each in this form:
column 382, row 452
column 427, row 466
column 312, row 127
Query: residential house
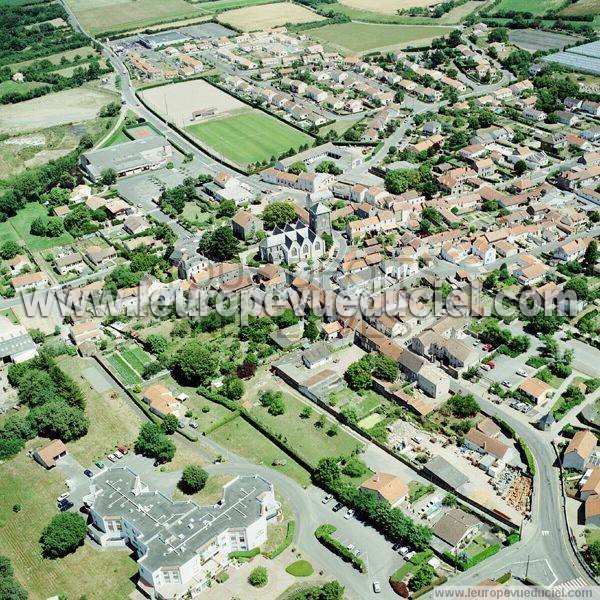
column 50, row 453
column 580, row 449
column 388, row 487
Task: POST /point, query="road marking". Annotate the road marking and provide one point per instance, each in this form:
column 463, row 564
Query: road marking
column 572, row 584
column 545, row 532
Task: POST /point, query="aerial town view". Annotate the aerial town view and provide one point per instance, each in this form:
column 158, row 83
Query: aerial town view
column 299, row 299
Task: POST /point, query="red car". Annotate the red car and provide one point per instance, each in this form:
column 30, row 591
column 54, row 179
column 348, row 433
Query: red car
column 122, row 450
column 491, row 364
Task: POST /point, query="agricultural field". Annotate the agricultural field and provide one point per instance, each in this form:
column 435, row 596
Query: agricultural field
column 61, row 108
column 240, row 437
column 84, row 52
column 532, row 39
column 17, row 228
column 365, row 37
column 310, row 441
column 388, row 7
column 178, row 101
column 87, row 572
column 8, row 87
column 582, row 7
column 122, row 15
column 221, row 5
column 535, row 7
column 125, row 373
column 252, row 18
column 248, row 136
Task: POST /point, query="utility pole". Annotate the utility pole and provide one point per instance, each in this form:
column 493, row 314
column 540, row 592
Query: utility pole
column 527, row 567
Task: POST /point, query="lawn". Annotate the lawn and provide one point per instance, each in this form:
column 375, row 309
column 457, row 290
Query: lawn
column 582, row 7
column 249, row 136
column 118, row 137
column 121, row 15
column 300, row 568
column 9, row 86
column 211, row 494
column 125, row 373
column 17, row 228
column 311, row 442
column 88, row 572
column 364, row 37
column 536, row 7
column 240, row 437
column 113, row 422
column 363, row 404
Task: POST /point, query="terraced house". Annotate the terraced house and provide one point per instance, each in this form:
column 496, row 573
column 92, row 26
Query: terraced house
column 179, row 546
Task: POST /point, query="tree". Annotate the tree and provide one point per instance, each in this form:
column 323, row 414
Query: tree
column 354, row 467
column 520, row 167
column 591, row 254
column 297, row 167
column 543, row 323
column 153, row 442
column 195, row 363
column 9, row 250
column 37, row 389
column 332, row 590
column 258, row 577
column 463, row 406
column 108, row 176
column 273, row 401
column 58, row 419
column 170, row 424
column 278, row 214
column 10, row 588
column 63, row 535
column 358, row 376
column 306, row 412
column 227, row 208
column 219, row 245
column 311, row 331
column 385, row 367
column 594, row 555
column 327, row 473
column 449, row 500
column 578, row 285
column 234, row 387
column 193, row 479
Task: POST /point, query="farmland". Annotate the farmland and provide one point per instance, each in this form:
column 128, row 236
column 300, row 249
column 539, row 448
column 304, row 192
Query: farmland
column 248, row 136
column 221, row 5
column 535, row 7
column 125, row 373
column 251, row 18
column 121, row 15
column 87, row 572
column 582, row 7
column 364, row 37
column 387, row 7
column 69, row 106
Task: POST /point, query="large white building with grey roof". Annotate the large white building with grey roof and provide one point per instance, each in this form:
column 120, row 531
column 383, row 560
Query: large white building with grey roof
column 293, row 244
column 129, row 158
column 180, row 546
column 16, row 344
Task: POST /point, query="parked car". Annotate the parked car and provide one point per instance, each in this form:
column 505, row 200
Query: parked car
column 506, row 383
column 404, row 550
column 326, row 498
column 410, row 555
column 491, row 364
column 193, row 425
column 100, row 464
column 376, row 587
column 118, row 454
column 350, row 547
column 65, row 505
column 123, row 450
column 181, row 424
column 88, row 473
column 486, row 367
column 63, row 496
column 112, row 457
column 349, row 514
column 521, row 372
column 338, row 507
column 396, row 546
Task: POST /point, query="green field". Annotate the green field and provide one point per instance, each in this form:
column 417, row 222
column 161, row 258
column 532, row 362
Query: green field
column 311, row 442
column 364, row 37
column 137, row 358
column 249, row 136
column 221, row 5
column 125, row 373
column 88, row 572
column 120, row 15
column 17, row 228
column 582, row 7
column 535, row 7
column 7, row 87
column 240, row 437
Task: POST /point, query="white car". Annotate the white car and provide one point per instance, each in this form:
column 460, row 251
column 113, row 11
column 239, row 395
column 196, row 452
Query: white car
column 521, row 372
column 326, row 498
column 111, row 457
column 63, row 496
column 349, row 514
column 350, row 547
column 118, row 454
column 486, row 367
column 376, row 587
column 404, row 550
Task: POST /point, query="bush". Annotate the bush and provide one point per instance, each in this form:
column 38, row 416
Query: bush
column 258, row 577
column 324, row 534
column 245, row 553
column 511, row 539
column 300, row 568
column 222, row 577
column 63, row 535
column 289, row 536
column 466, row 564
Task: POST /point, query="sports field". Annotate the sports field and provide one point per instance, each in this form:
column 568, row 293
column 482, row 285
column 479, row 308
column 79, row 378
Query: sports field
column 364, row 37
column 115, row 15
column 535, row 7
column 248, row 136
column 251, row 18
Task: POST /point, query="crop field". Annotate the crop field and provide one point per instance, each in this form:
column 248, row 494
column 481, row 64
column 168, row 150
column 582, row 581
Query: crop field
column 17, row 228
column 87, row 572
column 136, row 357
column 248, row 136
column 533, row 39
column 68, row 106
column 120, row 15
column 83, row 52
column 8, row 87
column 535, row 7
column 387, row 7
column 220, row 5
column 582, row 7
column 124, row 372
column 364, row 37
column 251, row 18
column 177, row 101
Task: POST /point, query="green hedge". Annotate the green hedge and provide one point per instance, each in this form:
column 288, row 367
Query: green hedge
column 528, row 456
column 439, row 581
column 289, row 536
column 244, row 553
column 513, row 538
column 221, row 422
column 324, row 534
column 504, row 578
column 463, row 565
